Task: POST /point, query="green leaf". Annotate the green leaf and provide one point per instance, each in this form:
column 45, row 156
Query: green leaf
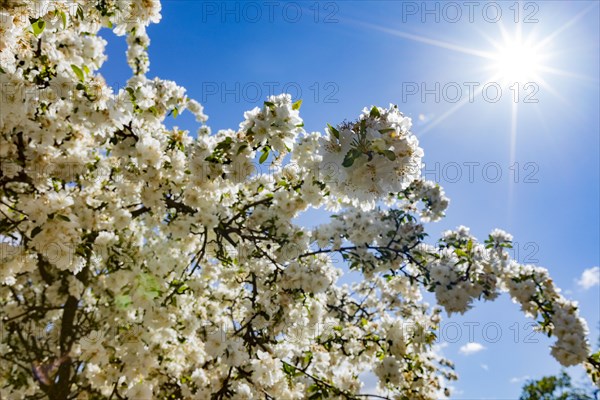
column 2, row 71
column 461, row 253
column 175, row 112
column 386, row 130
column 374, row 112
column 225, row 144
column 182, row 289
column 80, row 12
column 334, row 131
column 38, row 27
column 123, row 301
column 264, row 155
column 389, row 154
column 86, row 70
column 78, row 72
column 153, row 110
column 352, row 155
column 308, row 357
column 241, row 148
column 348, row 160
column 63, row 16
column 289, row 369
column 148, row 285
column 270, row 104
column 297, row 104
column 317, row 395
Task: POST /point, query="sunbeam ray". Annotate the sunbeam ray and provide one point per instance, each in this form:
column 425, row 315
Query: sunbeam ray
column 429, row 41
column 452, row 110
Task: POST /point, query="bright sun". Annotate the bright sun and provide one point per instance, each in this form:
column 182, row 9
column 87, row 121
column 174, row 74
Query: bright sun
column 516, row 61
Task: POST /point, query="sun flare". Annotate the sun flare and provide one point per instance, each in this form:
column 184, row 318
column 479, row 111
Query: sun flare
column 517, row 61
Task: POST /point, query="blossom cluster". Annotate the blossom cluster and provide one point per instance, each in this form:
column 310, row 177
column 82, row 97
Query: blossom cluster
column 373, row 157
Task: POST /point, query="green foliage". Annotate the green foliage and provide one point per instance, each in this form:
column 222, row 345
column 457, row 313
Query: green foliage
column 556, row 388
column 296, row 105
column 38, row 26
column 334, row 131
column 79, row 72
column 264, row 155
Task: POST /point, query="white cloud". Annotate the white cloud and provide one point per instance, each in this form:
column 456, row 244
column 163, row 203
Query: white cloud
column 485, row 367
column 471, row 348
column 439, row 347
column 519, row 379
column 589, row 278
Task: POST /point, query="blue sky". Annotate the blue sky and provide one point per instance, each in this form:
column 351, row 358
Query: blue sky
column 529, row 165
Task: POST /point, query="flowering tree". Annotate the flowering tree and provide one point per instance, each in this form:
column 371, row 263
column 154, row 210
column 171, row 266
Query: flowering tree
column 141, row 262
column 557, row 387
